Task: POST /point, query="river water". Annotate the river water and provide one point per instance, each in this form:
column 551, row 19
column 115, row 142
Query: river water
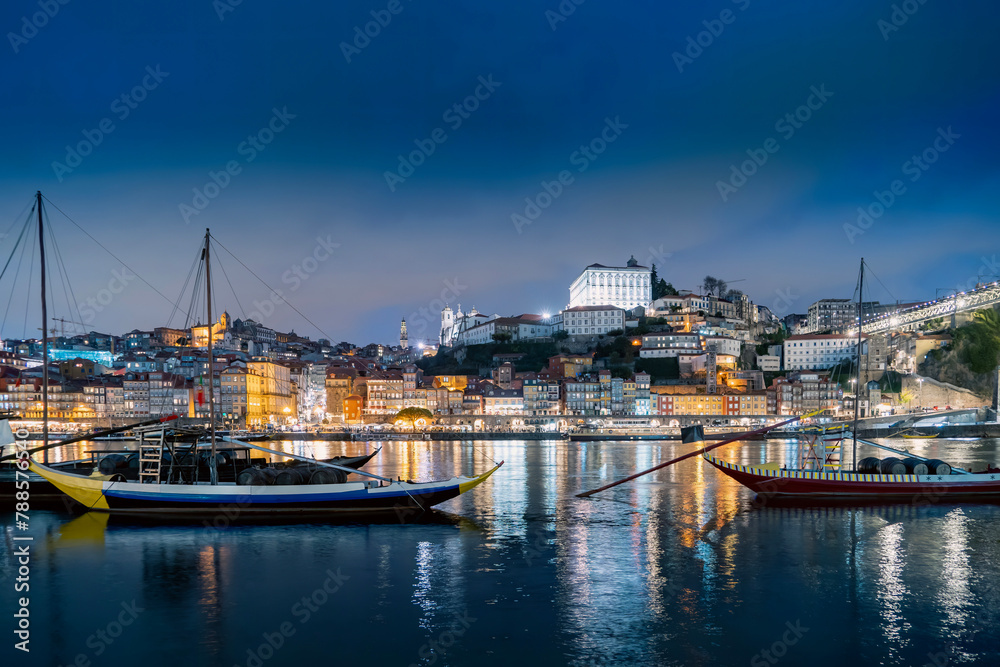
column 682, row 567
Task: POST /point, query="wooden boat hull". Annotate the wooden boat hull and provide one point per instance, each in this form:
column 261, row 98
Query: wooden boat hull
column 810, row 484
column 101, row 494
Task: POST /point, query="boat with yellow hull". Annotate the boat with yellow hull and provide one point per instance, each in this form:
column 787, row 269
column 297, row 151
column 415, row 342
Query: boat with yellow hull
column 106, row 494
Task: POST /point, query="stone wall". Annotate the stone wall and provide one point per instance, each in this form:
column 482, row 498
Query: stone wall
column 931, row 393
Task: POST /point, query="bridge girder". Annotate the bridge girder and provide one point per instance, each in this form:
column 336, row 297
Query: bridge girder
column 987, row 295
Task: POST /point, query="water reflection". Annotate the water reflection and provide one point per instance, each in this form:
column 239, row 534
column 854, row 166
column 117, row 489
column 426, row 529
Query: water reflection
column 679, row 567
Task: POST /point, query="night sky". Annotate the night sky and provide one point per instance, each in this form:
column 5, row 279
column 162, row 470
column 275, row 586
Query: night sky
column 671, row 117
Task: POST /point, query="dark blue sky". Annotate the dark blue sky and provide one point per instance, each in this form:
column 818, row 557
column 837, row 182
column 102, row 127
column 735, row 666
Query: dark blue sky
column 654, row 192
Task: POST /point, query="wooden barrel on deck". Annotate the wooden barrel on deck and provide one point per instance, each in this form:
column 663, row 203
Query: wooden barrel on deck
column 290, row 476
column 915, row 466
column 328, row 476
column 938, row 467
column 256, row 477
column 892, row 466
column 869, row 465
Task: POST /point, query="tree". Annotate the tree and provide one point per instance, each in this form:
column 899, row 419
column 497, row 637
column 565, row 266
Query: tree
column 906, row 396
column 502, row 336
column 411, row 415
column 709, row 284
column 714, row 286
column 562, row 334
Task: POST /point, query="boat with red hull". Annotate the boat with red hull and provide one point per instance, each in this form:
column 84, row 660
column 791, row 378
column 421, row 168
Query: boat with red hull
column 773, row 482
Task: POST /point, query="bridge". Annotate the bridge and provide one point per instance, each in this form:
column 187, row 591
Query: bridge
column 981, row 297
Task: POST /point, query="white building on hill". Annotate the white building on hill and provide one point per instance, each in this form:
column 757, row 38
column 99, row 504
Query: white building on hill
column 623, row 286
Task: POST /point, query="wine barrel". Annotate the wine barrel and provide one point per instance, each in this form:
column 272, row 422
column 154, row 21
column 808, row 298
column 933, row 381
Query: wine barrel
column 938, row 467
column 915, row 466
column 892, row 466
column 328, row 476
column 290, row 476
column 111, row 463
column 133, row 461
column 868, row 465
column 256, row 477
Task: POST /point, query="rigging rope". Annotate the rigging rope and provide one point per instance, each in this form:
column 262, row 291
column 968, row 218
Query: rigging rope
column 31, row 270
column 117, row 259
column 326, row 335
column 238, row 304
column 180, row 296
column 17, row 272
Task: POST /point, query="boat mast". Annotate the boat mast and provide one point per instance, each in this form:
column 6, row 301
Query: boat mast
column 45, row 335
column 857, row 372
column 211, row 364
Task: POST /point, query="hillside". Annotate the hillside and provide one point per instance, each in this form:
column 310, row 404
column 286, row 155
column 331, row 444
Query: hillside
column 971, row 358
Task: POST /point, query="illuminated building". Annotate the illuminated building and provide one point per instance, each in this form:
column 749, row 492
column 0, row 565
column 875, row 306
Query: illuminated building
column 453, row 324
column 670, row 344
column 571, row 365
column 199, row 333
column 498, row 401
column 275, row 398
column 818, row 351
column 626, row 286
column 352, row 408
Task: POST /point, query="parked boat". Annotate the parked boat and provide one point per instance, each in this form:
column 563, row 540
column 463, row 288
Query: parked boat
column 822, row 476
column 171, row 477
column 379, row 495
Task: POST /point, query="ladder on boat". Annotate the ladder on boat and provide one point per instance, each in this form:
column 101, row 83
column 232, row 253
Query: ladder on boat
column 150, row 458
column 822, row 451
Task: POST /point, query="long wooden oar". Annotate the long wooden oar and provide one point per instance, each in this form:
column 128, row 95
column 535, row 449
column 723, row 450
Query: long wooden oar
column 587, row 494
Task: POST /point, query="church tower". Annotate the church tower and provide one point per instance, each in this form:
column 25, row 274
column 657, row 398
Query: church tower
column 447, row 325
column 403, row 342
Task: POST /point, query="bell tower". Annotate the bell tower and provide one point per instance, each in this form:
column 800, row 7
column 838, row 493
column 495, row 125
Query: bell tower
column 403, row 341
